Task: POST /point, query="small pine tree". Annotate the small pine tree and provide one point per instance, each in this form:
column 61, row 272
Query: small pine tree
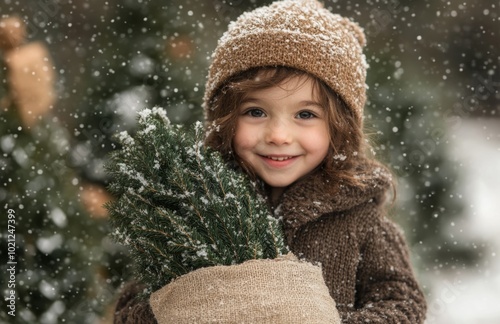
column 180, row 207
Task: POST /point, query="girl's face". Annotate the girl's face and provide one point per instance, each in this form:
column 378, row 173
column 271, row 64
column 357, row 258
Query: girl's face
column 282, row 132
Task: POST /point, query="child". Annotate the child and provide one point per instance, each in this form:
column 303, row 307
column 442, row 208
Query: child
column 284, row 100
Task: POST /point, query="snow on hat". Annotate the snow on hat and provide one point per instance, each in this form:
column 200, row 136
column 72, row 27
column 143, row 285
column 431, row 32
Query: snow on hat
column 296, row 33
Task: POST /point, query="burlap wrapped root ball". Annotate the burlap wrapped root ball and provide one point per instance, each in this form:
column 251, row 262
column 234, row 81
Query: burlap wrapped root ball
column 277, row 291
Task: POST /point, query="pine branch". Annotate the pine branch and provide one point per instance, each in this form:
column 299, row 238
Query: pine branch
column 180, row 207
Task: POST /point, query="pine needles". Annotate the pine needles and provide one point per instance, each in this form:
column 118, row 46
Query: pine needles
column 180, row 207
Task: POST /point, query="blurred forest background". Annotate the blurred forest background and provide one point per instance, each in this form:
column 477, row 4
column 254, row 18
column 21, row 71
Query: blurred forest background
column 434, row 71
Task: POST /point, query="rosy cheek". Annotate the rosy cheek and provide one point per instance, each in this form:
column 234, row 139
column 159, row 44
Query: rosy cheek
column 238, row 143
column 242, row 138
column 241, row 144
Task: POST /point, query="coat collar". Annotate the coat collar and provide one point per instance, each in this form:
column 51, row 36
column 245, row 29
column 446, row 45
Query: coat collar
column 319, row 194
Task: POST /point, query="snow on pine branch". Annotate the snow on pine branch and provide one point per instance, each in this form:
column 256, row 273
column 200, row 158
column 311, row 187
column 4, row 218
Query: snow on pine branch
column 180, row 207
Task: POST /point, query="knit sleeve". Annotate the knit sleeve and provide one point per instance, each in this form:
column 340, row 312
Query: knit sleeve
column 132, row 310
column 386, row 288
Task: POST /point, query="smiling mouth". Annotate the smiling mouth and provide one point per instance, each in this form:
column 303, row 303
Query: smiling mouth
column 279, row 158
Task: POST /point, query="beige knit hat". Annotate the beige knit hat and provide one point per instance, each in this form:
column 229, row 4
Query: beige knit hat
column 296, row 33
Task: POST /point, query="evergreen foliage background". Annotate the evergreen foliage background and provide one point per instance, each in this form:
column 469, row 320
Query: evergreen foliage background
column 59, row 251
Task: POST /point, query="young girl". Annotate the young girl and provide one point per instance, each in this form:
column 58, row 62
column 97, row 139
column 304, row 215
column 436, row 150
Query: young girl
column 284, row 100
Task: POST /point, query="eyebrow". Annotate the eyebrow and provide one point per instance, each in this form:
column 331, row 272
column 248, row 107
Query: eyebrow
column 306, row 103
column 250, row 99
column 310, row 103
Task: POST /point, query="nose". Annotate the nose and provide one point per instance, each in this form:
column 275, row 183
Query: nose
column 278, row 133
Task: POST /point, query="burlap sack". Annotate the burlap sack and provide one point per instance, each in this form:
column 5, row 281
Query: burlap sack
column 280, row 291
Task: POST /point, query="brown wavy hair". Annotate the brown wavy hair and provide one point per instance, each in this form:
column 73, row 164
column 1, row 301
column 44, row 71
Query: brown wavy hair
column 348, row 146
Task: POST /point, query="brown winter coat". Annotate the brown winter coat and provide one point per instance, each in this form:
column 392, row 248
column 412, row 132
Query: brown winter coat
column 363, row 254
